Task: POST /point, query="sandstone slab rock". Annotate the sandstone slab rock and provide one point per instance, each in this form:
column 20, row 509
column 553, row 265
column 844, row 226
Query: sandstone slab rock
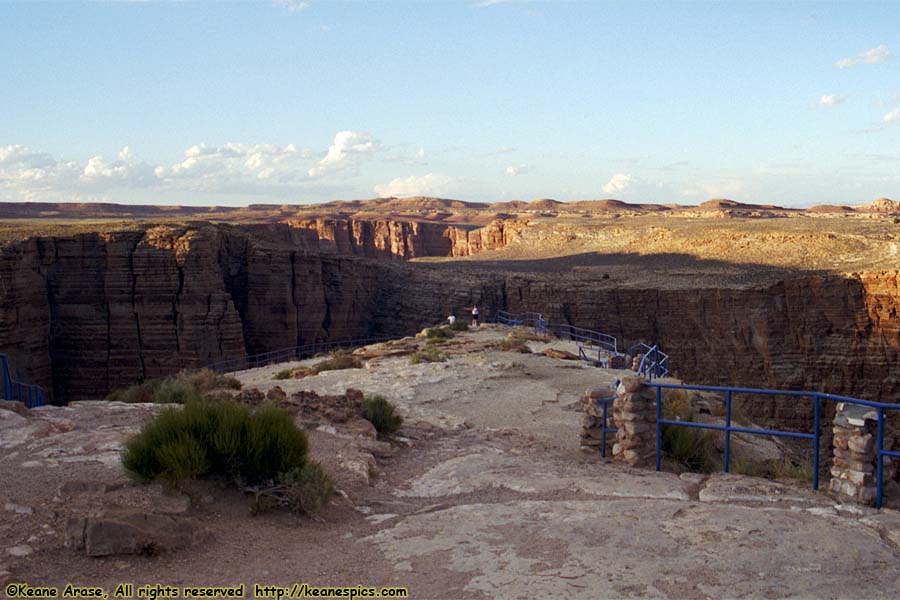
column 130, row 533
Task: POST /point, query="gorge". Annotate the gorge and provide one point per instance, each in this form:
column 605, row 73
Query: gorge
column 87, row 312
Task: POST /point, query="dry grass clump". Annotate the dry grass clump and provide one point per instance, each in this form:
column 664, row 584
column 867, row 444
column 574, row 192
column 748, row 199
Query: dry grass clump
column 340, row 359
column 511, row 343
column 186, row 386
column 783, row 468
column 428, row 355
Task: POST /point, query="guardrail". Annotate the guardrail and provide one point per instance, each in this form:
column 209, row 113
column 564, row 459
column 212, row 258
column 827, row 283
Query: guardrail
column 30, row 394
column 815, row 436
column 654, row 363
column 288, row 354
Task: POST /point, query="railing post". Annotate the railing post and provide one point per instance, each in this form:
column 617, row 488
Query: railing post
column 603, row 430
column 728, row 431
column 658, row 428
column 878, row 456
column 7, row 381
column 816, row 429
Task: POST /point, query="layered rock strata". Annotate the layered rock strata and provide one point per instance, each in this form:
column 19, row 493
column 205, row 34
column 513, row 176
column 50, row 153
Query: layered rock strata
column 85, row 313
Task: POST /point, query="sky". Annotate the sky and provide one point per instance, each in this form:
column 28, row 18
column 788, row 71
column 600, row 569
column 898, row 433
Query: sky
column 290, row 101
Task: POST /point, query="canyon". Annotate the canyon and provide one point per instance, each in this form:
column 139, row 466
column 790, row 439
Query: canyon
column 90, row 307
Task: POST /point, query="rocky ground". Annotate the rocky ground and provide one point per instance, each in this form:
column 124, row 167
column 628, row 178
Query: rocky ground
column 484, row 493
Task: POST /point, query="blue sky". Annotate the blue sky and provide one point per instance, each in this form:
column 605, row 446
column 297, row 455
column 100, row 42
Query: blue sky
column 292, row 102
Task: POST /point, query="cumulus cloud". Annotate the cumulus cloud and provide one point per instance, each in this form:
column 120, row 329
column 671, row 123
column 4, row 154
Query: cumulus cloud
column 618, row 183
column 26, row 174
column 347, row 149
column 893, row 116
column 878, row 54
column 514, row 170
column 425, row 185
column 291, row 5
column 829, row 100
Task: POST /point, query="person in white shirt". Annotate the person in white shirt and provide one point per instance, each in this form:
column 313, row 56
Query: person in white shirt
column 451, row 319
column 474, row 310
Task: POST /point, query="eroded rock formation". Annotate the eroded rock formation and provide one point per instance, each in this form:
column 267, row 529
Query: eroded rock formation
column 86, row 313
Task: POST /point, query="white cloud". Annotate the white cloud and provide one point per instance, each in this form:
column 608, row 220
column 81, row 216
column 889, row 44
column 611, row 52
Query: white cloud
column 878, row 54
column 829, row 100
column 619, row 183
column 893, row 116
column 347, row 149
column 425, row 185
column 486, row 3
column 514, row 170
column 291, row 5
column 209, row 167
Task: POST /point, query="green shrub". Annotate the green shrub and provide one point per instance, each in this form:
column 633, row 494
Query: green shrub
column 173, row 391
column 439, row 333
column 141, row 392
column 458, row 325
column 284, row 374
column 692, row 447
column 381, row 413
column 339, row 360
column 206, row 380
column 514, row 344
column 224, row 439
column 307, row 489
column 430, row 354
column 187, row 385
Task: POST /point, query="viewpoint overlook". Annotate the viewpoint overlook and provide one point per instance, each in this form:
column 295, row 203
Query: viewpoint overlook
column 522, row 460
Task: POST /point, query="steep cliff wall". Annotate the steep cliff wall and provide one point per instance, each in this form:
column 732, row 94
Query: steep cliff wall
column 91, row 312
column 401, row 240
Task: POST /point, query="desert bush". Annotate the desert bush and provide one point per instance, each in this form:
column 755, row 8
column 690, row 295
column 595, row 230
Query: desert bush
column 141, row 392
column 511, row 343
column 304, row 490
column 187, row 385
column 223, row 439
column 339, row 360
column 284, row 374
column 173, row 391
column 382, row 414
column 206, row 380
column 439, row 333
column 784, row 468
column 896, row 220
column 691, row 447
column 458, row 325
column 430, row 354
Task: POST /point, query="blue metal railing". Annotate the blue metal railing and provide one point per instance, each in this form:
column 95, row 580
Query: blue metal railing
column 654, row 363
column 289, row 354
column 30, row 394
column 815, row 436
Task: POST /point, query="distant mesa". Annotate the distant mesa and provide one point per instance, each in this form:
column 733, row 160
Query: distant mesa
column 726, row 204
column 882, row 205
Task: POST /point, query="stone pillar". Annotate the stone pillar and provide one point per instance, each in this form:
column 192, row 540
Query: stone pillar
column 853, row 469
column 634, row 413
column 592, row 422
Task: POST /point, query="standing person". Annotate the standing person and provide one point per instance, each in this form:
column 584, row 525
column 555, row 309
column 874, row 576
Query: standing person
column 474, row 310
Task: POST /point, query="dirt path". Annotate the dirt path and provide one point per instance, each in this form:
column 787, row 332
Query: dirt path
column 488, row 497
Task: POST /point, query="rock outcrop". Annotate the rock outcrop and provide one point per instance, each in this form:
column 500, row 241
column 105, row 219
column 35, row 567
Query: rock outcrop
column 86, row 313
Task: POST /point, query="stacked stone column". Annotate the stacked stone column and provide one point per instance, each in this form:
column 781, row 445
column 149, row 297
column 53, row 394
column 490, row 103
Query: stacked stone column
column 855, row 449
column 634, row 414
column 592, row 422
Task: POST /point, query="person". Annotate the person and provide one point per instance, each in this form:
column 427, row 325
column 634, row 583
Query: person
column 474, row 310
column 451, row 319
